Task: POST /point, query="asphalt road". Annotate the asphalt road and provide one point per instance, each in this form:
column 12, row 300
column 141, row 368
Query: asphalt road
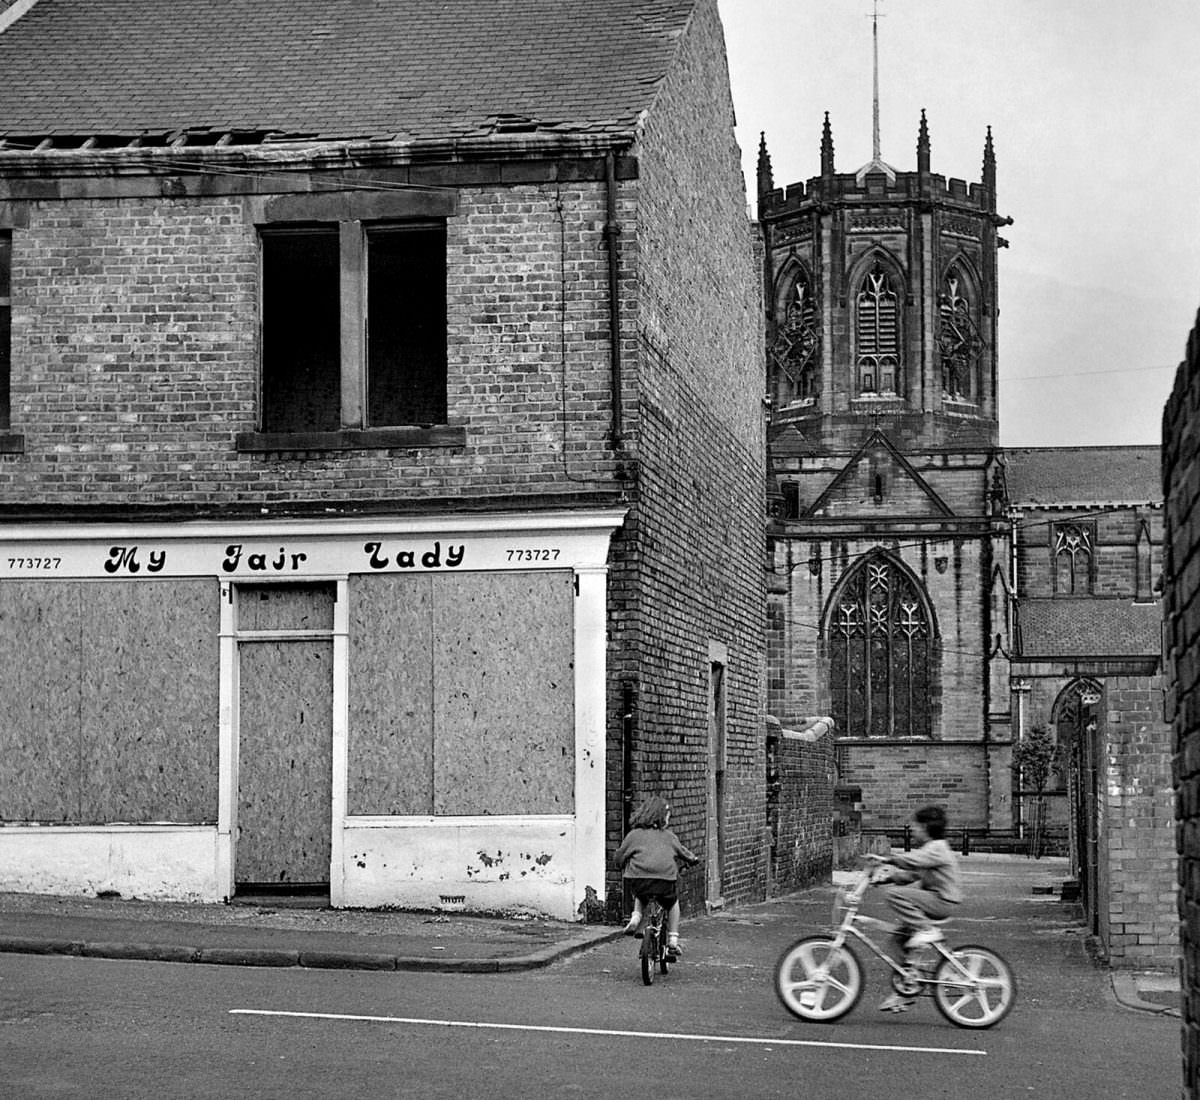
column 79, row 1027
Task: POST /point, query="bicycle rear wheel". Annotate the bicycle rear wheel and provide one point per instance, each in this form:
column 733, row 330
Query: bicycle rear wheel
column 649, row 954
column 977, row 989
column 818, row 981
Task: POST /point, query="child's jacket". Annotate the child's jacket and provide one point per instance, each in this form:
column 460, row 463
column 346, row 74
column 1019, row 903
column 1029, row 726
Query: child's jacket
column 652, row 853
column 936, row 869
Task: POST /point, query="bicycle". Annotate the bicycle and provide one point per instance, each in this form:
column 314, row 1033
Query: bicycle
column 653, row 950
column 820, row 978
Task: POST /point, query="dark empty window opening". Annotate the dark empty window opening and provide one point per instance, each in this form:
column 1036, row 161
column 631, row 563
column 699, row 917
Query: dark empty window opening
column 353, row 327
column 406, row 326
column 301, row 343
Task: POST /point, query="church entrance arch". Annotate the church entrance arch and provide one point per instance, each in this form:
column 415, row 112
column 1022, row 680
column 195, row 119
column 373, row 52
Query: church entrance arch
column 881, row 637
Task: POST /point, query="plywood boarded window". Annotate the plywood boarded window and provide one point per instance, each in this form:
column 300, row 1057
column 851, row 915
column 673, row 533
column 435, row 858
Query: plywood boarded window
column 108, row 701
column 462, row 694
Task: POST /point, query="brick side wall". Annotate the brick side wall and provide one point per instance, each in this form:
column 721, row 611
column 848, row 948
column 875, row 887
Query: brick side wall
column 699, row 519
column 135, row 358
column 1139, row 925
column 1181, row 490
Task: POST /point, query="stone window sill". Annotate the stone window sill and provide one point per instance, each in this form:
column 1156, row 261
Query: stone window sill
column 353, row 439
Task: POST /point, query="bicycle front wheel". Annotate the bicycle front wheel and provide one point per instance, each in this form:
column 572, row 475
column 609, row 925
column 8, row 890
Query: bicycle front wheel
column 817, row 980
column 974, row 988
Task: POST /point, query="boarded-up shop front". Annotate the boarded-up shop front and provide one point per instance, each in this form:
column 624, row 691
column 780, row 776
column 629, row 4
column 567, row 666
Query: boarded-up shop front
column 405, row 712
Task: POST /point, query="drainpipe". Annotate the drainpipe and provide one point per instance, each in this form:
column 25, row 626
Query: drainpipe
column 612, row 234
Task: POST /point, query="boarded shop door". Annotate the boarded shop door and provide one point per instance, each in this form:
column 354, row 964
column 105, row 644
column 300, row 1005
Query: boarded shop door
column 285, row 736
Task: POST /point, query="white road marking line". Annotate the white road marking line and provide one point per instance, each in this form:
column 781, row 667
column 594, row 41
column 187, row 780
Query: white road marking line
column 483, row 1024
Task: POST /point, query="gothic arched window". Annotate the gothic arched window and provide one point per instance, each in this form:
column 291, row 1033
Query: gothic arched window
column 796, row 344
column 958, row 340
column 881, row 644
column 1073, row 558
column 877, row 333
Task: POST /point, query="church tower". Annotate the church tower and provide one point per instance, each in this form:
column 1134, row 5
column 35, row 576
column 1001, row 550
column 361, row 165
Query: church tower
column 886, row 584
column 881, row 300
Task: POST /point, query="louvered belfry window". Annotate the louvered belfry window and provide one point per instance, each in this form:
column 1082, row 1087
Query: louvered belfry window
column 881, row 649
column 877, row 331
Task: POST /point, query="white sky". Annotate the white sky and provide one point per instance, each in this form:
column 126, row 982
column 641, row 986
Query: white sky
column 1095, row 111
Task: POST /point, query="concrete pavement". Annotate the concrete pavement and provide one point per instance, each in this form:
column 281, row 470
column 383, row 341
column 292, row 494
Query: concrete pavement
column 276, row 933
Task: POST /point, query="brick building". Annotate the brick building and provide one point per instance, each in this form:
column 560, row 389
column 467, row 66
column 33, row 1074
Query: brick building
column 933, row 592
column 1087, row 662
column 1181, row 488
column 378, row 382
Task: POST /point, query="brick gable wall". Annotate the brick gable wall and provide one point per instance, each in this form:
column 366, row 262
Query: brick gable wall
column 695, row 537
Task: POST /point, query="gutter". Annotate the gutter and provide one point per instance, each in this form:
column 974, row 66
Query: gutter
column 10, row 15
column 612, row 235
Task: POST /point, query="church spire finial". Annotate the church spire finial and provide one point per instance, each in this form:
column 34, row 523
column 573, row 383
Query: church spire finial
column 923, row 145
column 877, row 163
column 876, row 155
column 766, row 177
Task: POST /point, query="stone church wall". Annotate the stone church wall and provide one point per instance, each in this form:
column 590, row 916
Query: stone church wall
column 1181, row 486
column 896, row 776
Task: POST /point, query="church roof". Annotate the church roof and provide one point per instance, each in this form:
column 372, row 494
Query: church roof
column 1061, row 628
column 406, row 70
column 1050, row 476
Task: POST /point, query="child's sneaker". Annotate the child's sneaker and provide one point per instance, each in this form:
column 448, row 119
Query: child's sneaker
column 923, row 938
column 673, row 949
column 632, row 927
column 896, row 1003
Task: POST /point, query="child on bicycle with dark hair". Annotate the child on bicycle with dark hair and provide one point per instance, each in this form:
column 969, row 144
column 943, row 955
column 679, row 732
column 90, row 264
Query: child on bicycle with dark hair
column 924, row 886
column 649, row 859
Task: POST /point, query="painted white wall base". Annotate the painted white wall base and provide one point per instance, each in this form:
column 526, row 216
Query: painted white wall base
column 517, row 864
column 151, row 862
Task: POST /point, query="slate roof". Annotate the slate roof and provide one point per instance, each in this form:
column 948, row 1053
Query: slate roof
column 1083, row 475
column 1089, row 628
column 334, row 69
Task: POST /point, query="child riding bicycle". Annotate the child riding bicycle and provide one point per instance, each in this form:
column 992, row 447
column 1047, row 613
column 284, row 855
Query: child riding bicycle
column 649, row 859
column 925, row 886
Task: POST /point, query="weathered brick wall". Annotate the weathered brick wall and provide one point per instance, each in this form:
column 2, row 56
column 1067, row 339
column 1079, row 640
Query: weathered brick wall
column 1138, row 918
column 802, row 840
column 135, row 357
column 699, row 447
column 1181, row 491
column 896, row 779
